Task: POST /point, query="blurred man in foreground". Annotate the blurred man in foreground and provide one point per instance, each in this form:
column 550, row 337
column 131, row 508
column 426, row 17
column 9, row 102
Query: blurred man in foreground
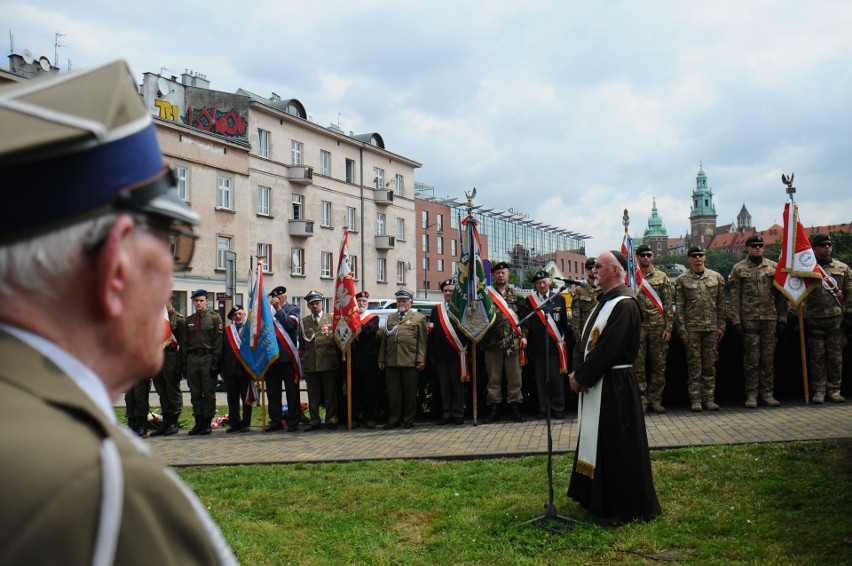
column 102, row 241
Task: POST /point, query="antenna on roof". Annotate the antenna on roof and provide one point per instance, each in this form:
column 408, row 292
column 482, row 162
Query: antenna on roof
column 56, row 46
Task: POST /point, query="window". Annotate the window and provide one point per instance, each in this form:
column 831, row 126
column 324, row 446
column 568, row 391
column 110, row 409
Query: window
column 400, row 272
column 350, row 171
column 265, row 251
column 263, row 197
column 453, row 248
column 440, row 243
column 325, row 163
column 325, row 265
column 295, row 152
column 381, row 270
column 425, row 242
column 400, row 185
column 380, row 177
column 380, row 223
column 454, row 222
column 440, row 222
column 424, row 219
column 350, row 219
column 297, row 261
column 441, row 265
column 425, row 264
column 326, row 213
column 182, row 174
column 223, row 244
column 263, row 143
column 454, row 269
column 298, row 207
column 327, row 306
column 400, row 229
column 225, row 197
column 353, row 265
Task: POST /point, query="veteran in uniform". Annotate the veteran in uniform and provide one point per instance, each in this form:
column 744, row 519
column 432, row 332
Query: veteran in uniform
column 200, row 350
column 320, row 361
column 402, row 354
column 584, row 299
column 237, row 379
column 284, row 372
column 547, row 347
column 502, row 345
column 758, row 315
column 828, row 322
column 367, row 382
column 77, row 488
column 167, row 381
column 448, row 352
column 655, row 331
column 700, row 298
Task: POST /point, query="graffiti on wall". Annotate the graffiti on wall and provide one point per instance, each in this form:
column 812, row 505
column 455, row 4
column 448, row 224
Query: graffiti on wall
column 168, row 111
column 216, row 121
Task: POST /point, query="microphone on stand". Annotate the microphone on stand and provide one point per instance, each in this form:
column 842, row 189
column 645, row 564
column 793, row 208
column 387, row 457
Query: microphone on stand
column 572, row 281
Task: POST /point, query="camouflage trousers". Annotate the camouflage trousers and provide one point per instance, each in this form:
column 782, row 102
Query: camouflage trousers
column 758, row 357
column 701, row 354
column 652, row 347
column 826, row 341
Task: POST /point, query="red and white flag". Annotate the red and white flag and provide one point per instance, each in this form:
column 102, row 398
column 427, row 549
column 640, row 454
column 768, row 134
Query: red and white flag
column 797, row 269
column 347, row 319
column 633, row 276
column 168, row 337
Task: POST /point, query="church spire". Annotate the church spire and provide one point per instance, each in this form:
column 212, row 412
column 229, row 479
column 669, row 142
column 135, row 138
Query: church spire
column 655, row 227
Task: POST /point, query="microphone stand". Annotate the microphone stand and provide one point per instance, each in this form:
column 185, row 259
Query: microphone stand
column 550, row 512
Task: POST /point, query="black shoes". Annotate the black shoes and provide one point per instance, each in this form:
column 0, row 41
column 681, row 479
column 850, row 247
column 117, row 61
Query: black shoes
column 274, row 426
column 516, row 415
column 493, row 414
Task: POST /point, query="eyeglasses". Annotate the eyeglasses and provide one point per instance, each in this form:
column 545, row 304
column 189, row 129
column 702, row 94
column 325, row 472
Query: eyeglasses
column 824, row 245
column 755, row 245
column 646, row 254
column 696, row 255
column 177, row 236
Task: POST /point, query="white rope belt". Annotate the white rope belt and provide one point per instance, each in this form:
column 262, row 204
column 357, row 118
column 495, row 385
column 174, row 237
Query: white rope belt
column 622, row 366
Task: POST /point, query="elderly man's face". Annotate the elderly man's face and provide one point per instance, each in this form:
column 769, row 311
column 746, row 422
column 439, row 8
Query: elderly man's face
column 403, row 304
column 500, row 276
column 240, row 317
column 606, row 270
column 315, row 307
column 542, row 286
column 363, row 303
column 447, row 291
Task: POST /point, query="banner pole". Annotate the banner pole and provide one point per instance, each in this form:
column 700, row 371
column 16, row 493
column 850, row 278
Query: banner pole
column 349, row 385
column 263, row 405
column 473, row 382
column 804, row 353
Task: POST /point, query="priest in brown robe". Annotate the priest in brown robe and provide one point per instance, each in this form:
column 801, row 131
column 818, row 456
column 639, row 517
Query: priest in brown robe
column 612, row 467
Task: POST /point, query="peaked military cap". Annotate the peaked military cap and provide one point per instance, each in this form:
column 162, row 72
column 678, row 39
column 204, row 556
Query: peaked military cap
column 85, row 143
column 404, row 294
column 313, row 296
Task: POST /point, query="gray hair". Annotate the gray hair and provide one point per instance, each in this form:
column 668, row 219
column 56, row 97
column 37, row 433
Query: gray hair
column 44, row 264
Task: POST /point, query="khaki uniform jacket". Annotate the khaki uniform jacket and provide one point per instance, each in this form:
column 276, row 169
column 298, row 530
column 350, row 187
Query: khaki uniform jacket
column 404, row 341
column 651, row 316
column 320, row 353
column 52, row 445
column 700, row 301
column 753, row 293
column 582, row 303
column 820, row 303
column 208, row 336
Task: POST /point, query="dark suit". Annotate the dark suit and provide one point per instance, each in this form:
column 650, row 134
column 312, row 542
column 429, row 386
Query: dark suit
column 544, row 354
column 237, row 382
column 54, row 441
column 445, row 360
column 367, row 383
column 282, row 373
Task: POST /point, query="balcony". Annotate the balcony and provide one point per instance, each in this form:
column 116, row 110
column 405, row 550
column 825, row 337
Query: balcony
column 300, row 174
column 385, row 242
column 301, row 228
column 383, row 197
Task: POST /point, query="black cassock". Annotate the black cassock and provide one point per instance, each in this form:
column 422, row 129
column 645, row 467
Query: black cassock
column 623, row 486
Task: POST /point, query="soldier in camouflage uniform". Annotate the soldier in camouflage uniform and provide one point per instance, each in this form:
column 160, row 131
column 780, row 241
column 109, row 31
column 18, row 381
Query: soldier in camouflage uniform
column 700, row 298
column 828, row 322
column 758, row 314
column 584, row 300
column 654, row 333
column 501, row 345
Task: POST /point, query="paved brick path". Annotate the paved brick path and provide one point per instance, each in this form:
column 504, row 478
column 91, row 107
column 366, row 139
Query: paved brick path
column 731, row 425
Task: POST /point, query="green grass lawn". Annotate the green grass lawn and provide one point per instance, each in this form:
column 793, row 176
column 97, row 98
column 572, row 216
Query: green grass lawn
column 754, row 504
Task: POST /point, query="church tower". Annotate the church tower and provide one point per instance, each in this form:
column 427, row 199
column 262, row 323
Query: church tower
column 744, row 220
column 702, row 213
column 655, row 234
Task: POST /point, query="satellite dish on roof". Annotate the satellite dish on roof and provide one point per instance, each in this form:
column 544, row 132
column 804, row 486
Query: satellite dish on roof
column 163, row 86
column 44, row 62
column 28, row 57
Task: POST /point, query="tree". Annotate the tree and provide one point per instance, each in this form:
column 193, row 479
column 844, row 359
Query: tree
column 841, row 246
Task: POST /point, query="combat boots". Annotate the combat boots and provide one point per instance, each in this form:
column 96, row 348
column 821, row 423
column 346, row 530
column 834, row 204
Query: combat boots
column 711, row 405
column 771, row 401
column 198, row 428
column 836, row 397
column 515, row 414
column 493, row 414
column 751, row 402
column 246, row 422
column 170, row 426
column 137, row 425
column 818, row 398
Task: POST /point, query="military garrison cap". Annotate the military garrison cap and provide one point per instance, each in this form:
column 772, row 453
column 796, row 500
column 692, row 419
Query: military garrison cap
column 85, row 143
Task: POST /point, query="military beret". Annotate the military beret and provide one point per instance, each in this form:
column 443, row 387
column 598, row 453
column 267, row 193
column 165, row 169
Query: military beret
column 362, row 295
column 695, row 249
column 404, row 294
column 643, row 248
column 754, row 239
column 539, row 275
column 500, row 265
column 590, row 262
column 280, row 290
column 446, row 283
column 619, row 257
column 85, row 143
column 818, row 239
column 233, row 311
column 313, row 296
column 199, row 293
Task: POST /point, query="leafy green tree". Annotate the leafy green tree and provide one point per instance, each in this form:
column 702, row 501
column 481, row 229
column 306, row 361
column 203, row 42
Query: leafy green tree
column 841, row 248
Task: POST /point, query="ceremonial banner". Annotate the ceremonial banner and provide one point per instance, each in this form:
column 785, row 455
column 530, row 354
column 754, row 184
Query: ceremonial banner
column 797, row 267
column 470, row 305
column 168, row 337
column 347, row 319
column 258, row 345
column 632, row 276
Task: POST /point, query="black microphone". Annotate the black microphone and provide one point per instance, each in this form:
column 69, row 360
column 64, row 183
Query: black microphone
column 572, row 281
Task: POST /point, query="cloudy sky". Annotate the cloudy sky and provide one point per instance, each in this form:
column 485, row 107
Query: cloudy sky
column 569, row 111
